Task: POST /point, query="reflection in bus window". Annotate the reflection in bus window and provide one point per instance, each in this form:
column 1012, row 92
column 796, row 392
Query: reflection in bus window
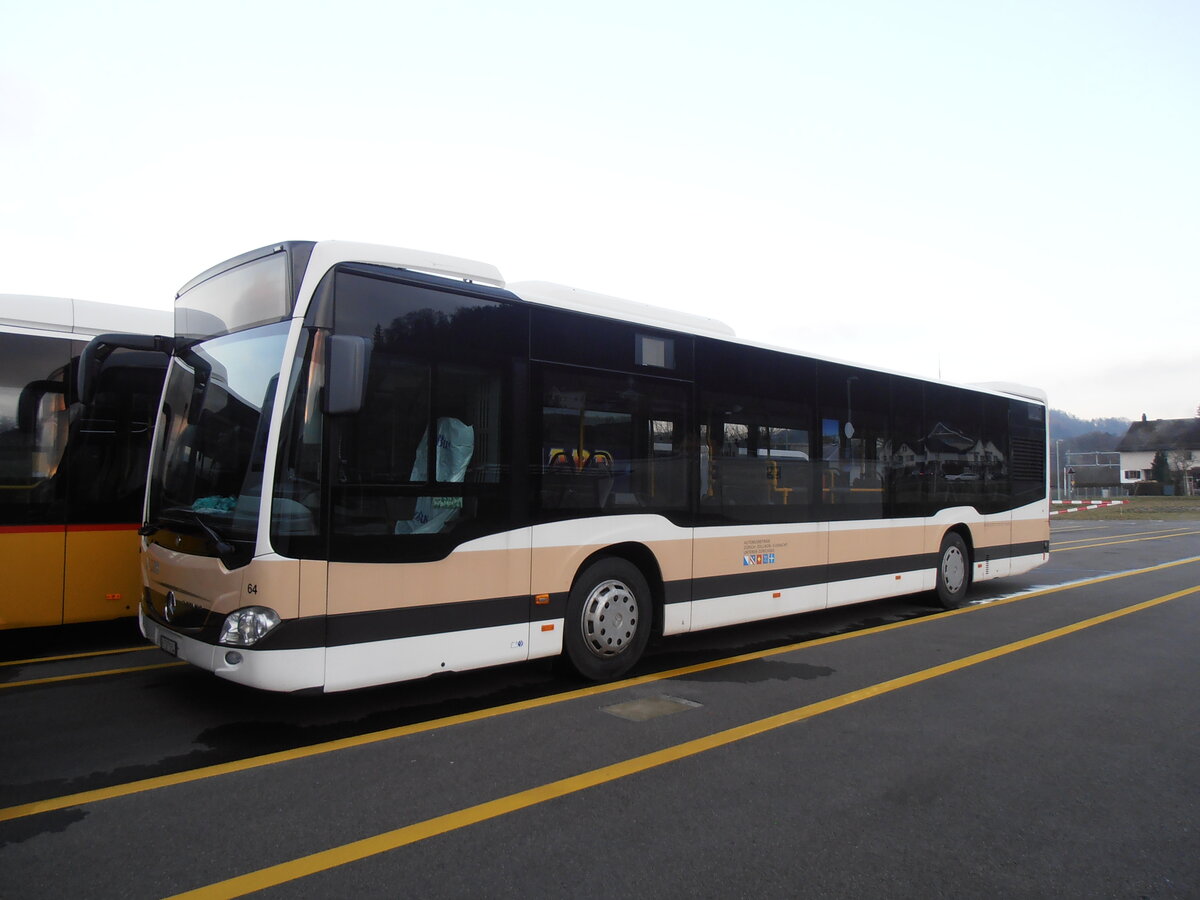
column 34, row 425
column 755, row 460
column 422, row 466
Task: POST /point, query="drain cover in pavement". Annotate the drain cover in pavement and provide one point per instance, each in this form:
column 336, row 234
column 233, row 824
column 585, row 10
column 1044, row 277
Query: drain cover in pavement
column 649, row 708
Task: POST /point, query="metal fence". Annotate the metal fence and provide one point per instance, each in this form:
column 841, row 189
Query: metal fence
column 1090, row 493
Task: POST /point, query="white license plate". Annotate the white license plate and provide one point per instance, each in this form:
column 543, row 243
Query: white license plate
column 169, row 644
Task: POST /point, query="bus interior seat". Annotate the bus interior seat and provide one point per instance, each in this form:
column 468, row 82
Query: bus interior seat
column 567, row 486
column 454, row 452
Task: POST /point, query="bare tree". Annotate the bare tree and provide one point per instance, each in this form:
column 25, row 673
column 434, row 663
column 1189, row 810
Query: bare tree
column 1180, row 462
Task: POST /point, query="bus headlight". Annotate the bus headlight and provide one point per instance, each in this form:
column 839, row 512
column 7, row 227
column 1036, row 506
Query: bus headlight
column 248, row 626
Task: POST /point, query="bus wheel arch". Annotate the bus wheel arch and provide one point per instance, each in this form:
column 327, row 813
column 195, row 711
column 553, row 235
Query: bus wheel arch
column 613, row 605
column 953, row 575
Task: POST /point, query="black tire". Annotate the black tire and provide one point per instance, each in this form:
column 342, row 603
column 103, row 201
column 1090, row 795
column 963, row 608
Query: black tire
column 953, row 571
column 609, row 615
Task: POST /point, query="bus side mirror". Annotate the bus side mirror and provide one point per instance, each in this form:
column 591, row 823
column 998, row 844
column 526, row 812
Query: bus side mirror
column 30, row 400
column 101, row 346
column 346, row 375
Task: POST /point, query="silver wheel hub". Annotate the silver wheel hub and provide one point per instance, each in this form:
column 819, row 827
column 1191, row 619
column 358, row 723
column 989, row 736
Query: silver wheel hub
column 954, row 569
column 610, row 618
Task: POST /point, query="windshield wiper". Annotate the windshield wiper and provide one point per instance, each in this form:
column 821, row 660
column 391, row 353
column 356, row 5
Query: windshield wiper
column 222, row 546
column 225, row 549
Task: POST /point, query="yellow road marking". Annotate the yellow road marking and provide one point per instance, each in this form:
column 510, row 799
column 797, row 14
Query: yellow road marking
column 88, row 655
column 1164, row 532
column 32, row 681
column 269, row 759
column 273, row 876
column 1126, row 541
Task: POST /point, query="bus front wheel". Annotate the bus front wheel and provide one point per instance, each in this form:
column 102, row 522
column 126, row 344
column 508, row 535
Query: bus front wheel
column 608, row 619
column 953, row 572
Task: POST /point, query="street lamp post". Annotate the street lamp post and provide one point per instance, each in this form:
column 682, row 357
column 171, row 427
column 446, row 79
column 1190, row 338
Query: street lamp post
column 1058, row 467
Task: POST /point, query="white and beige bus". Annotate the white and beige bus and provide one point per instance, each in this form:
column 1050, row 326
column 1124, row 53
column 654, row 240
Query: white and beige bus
column 373, row 464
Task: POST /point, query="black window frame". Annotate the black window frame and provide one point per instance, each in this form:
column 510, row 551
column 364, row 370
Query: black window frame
column 505, row 497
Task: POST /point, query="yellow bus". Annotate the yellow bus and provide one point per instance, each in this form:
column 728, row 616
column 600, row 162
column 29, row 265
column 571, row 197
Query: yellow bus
column 72, row 476
column 373, row 464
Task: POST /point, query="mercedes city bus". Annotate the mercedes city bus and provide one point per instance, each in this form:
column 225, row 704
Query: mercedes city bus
column 373, row 464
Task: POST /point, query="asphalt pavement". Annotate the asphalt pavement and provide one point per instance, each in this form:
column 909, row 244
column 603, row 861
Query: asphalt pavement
column 1042, row 741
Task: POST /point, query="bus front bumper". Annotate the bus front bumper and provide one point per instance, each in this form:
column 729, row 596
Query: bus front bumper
column 271, row 670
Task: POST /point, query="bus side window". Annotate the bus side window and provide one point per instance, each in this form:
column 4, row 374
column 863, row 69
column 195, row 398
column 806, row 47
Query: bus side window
column 955, row 447
column 33, row 429
column 856, row 445
column 611, row 442
column 755, row 459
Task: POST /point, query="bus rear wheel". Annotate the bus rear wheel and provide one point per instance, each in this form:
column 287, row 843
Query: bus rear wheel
column 608, row 619
column 953, row 572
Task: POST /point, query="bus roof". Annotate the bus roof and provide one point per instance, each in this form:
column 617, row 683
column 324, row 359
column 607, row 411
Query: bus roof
column 326, row 254
column 564, row 297
column 80, row 317
column 1023, row 391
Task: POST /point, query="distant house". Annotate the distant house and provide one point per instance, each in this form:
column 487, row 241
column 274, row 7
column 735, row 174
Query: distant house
column 1178, row 438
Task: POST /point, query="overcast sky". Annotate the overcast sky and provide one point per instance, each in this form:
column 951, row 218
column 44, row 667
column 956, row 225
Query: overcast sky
column 971, row 191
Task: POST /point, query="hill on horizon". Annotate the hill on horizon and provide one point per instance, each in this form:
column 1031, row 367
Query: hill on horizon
column 1063, row 425
column 1086, row 434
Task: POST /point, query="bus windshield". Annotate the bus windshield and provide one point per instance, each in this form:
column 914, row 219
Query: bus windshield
column 206, row 477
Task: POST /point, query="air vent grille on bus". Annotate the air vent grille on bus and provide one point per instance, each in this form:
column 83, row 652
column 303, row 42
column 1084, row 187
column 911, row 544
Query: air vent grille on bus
column 1028, row 462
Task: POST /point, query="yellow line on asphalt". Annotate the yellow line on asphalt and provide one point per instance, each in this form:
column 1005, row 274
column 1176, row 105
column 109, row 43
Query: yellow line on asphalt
column 269, row 759
column 1162, row 531
column 1127, row 541
column 272, row 876
column 88, row 655
column 80, row 675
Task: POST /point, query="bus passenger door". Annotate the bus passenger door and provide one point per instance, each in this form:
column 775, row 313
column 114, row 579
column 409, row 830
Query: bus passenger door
column 758, row 552
column 429, row 564
column 105, row 465
column 314, row 588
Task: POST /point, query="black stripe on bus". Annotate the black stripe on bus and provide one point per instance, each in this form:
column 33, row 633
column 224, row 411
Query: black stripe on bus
column 1029, row 548
column 442, row 618
column 413, row 621
column 759, row 579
